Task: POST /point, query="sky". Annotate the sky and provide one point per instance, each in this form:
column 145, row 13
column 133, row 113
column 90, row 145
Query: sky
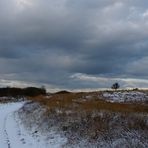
column 74, row 44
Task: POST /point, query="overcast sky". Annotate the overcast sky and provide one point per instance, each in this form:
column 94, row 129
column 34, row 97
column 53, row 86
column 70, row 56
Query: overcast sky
column 74, row 44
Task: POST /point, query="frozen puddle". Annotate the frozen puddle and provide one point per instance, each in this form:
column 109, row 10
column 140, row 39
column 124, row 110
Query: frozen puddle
column 13, row 135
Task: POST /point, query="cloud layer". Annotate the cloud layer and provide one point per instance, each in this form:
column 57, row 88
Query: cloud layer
column 49, row 42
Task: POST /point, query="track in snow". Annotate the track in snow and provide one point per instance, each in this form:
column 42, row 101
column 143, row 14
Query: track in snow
column 5, row 133
column 14, row 135
column 11, row 135
column 5, row 109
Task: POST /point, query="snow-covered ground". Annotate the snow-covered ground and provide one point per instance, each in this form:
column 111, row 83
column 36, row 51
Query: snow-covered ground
column 14, row 135
column 96, row 129
column 30, row 124
column 131, row 96
column 37, row 125
column 6, row 121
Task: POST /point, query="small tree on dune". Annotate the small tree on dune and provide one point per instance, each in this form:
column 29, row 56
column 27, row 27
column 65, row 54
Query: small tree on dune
column 115, row 86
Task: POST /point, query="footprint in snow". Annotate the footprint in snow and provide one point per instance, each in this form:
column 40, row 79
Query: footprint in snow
column 23, row 141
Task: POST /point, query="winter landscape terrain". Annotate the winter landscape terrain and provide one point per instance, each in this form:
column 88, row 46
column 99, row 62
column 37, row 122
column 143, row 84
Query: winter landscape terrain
column 73, row 73
column 106, row 119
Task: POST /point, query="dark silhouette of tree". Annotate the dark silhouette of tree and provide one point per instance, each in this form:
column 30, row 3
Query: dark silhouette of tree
column 115, row 86
column 28, row 91
column 33, row 91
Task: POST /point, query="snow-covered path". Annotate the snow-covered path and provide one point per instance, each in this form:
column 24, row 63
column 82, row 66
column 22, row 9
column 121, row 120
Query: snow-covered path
column 5, row 110
column 10, row 134
column 14, row 135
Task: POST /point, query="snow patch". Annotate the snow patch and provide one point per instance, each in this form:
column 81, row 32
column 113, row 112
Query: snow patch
column 134, row 96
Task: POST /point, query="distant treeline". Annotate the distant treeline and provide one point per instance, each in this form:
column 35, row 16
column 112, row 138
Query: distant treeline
column 28, row 91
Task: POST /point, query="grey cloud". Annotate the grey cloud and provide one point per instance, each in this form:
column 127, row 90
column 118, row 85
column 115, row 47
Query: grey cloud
column 48, row 41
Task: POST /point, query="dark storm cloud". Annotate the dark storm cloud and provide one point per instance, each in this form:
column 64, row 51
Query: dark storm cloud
column 50, row 41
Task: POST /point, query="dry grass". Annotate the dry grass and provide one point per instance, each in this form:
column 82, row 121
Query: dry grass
column 80, row 117
column 79, row 101
column 78, row 107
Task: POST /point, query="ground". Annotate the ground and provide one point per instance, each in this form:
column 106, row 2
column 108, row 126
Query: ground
column 14, row 135
column 106, row 119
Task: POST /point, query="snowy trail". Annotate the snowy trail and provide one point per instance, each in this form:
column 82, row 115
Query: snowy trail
column 14, row 135
column 5, row 109
column 10, row 134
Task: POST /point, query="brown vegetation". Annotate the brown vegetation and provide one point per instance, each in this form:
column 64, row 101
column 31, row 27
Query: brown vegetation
column 87, row 116
column 88, row 102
